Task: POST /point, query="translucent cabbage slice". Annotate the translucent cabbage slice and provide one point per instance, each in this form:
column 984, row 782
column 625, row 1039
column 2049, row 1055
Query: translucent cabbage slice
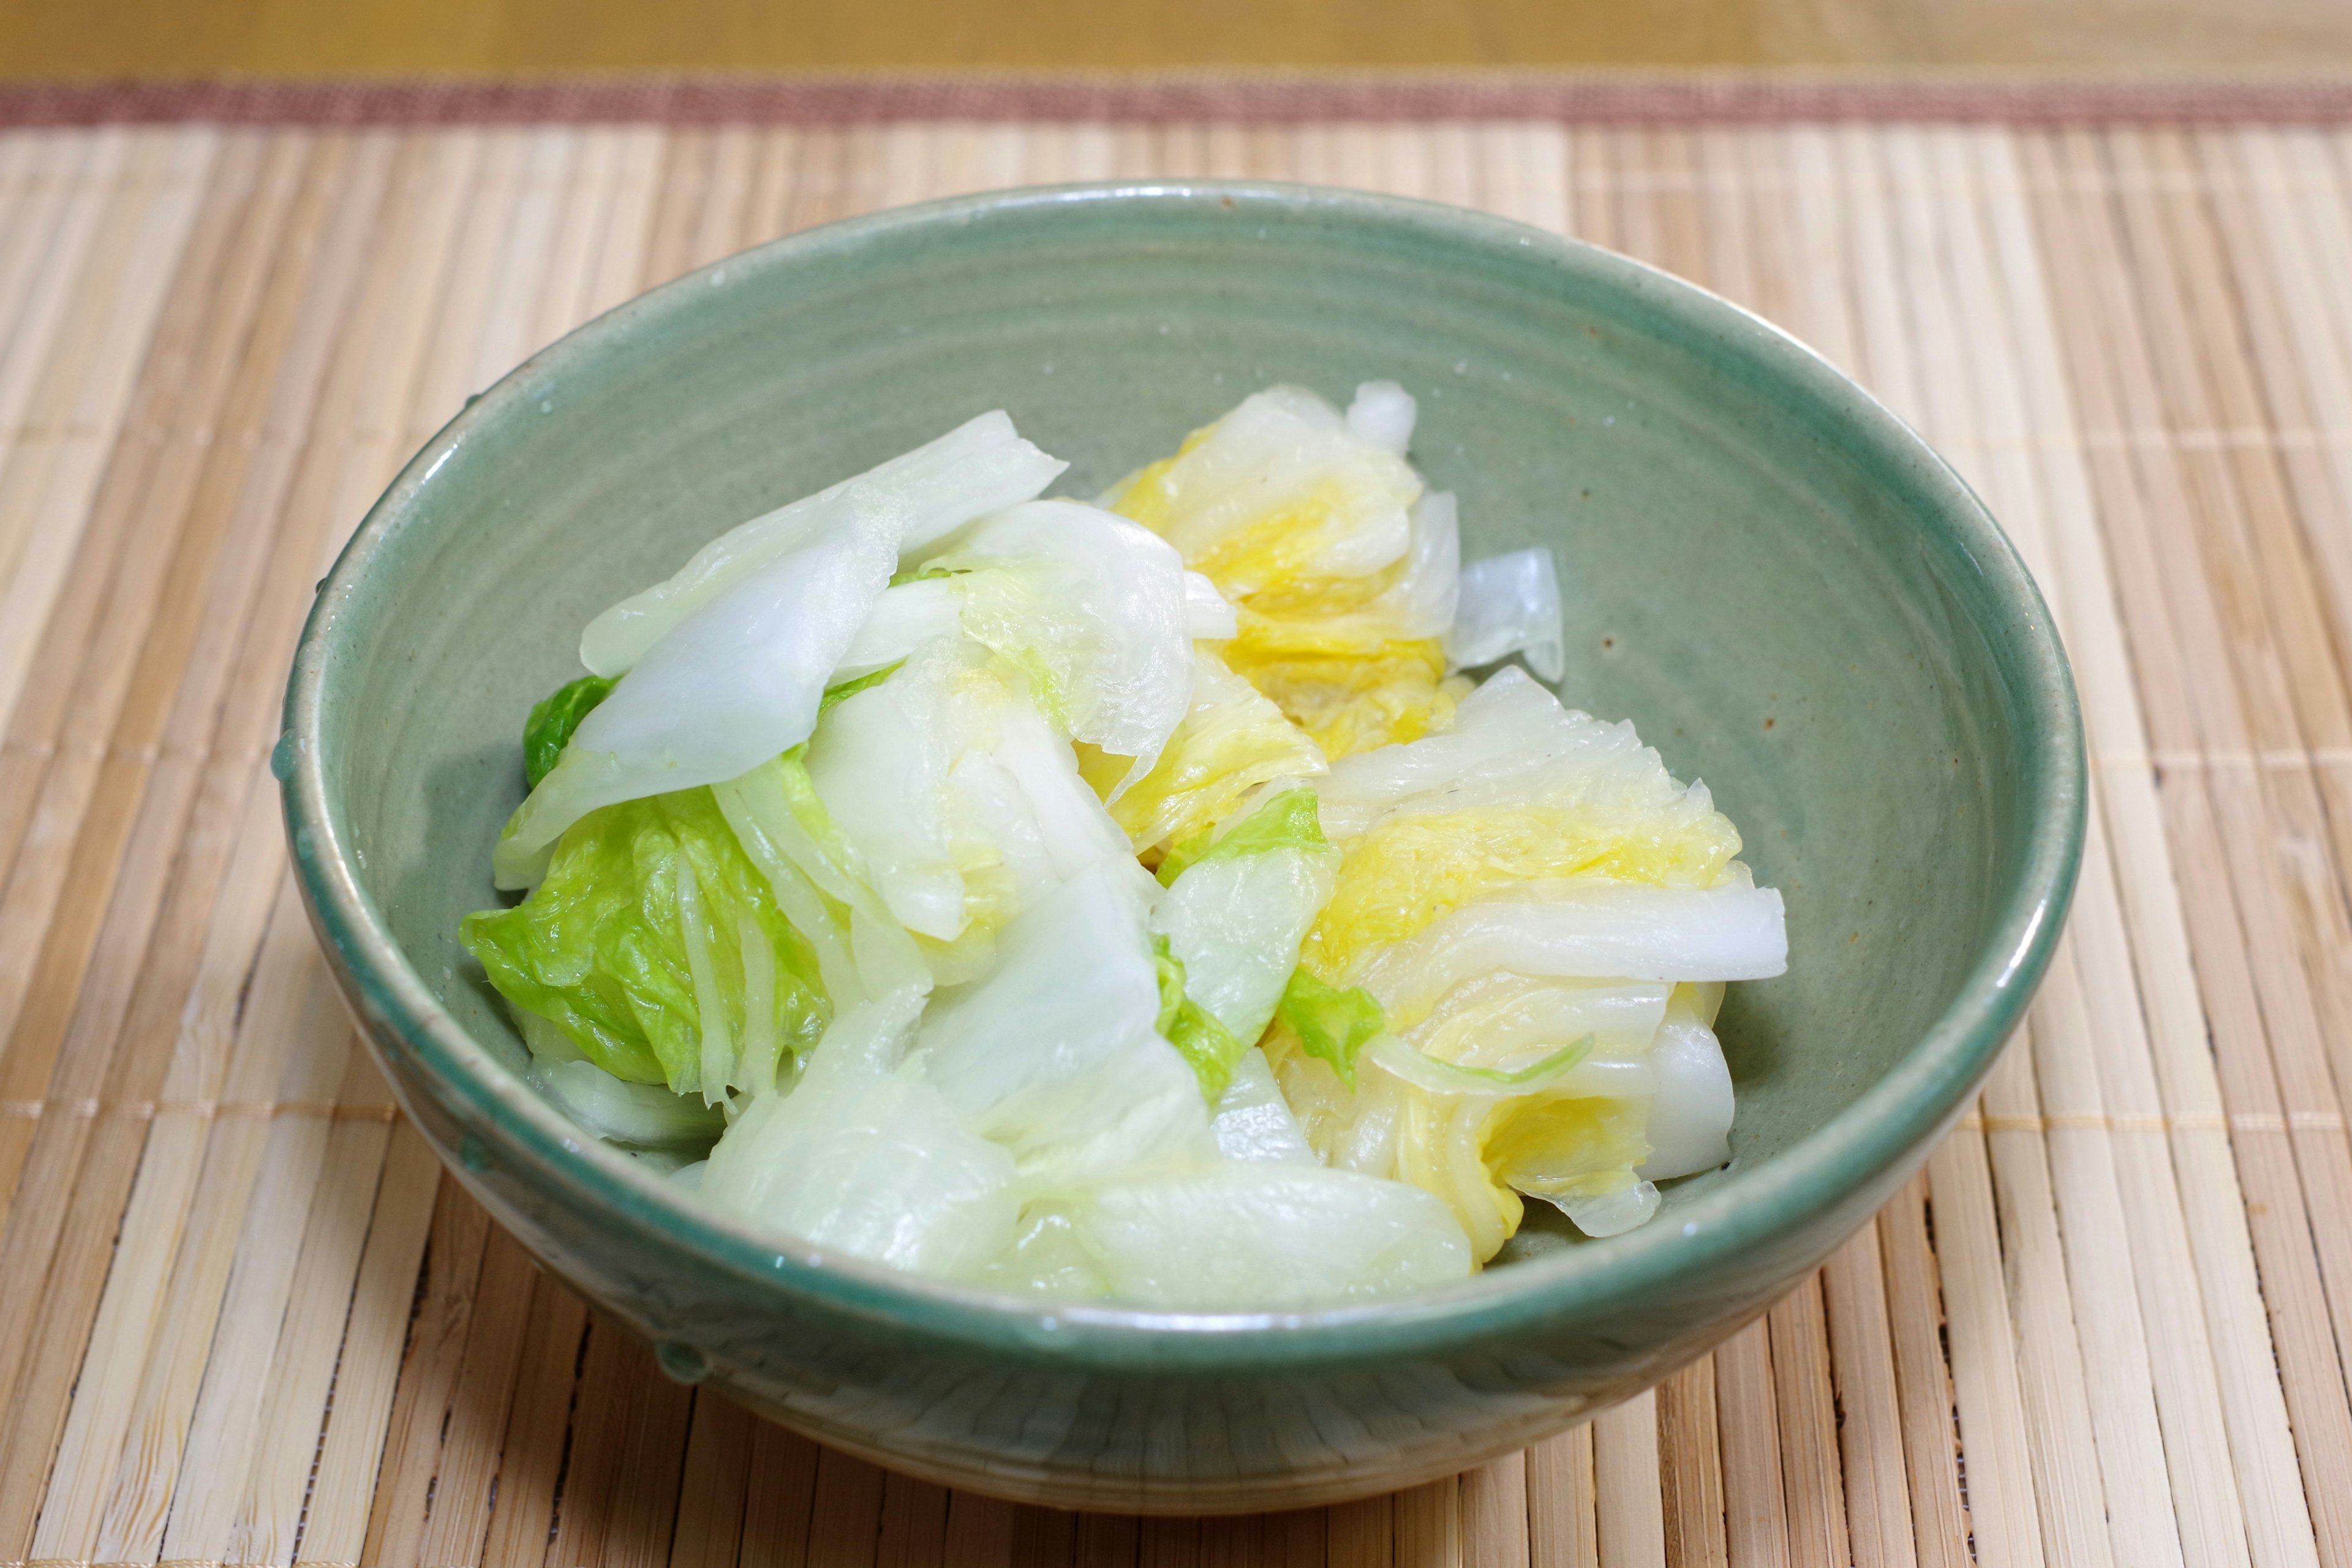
column 1254, row 1121
column 1536, row 1109
column 1208, row 615
column 879, row 762
column 1056, row 1055
column 866, row 1158
column 1512, row 742
column 1611, row 1213
column 1264, row 1234
column 736, row 683
column 1382, row 415
column 1525, row 793
column 1431, row 1076
column 1236, row 919
column 904, row 618
column 1343, row 571
column 1282, row 816
column 1094, row 607
column 1426, row 599
column 643, row 1115
column 1690, row 1118
column 1530, row 876
column 1025, row 791
column 1367, row 619
column 955, row 800
column 820, row 882
column 1329, row 1024
column 1505, row 1020
column 1358, row 662
column 979, row 467
column 1279, row 488
column 1232, row 741
column 636, row 1115
column 1510, row 604
column 724, row 665
column 1568, row 1148
column 1591, row 928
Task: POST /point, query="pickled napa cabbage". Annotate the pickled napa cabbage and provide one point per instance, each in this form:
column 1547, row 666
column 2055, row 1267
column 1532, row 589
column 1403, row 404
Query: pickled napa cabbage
column 1139, row 902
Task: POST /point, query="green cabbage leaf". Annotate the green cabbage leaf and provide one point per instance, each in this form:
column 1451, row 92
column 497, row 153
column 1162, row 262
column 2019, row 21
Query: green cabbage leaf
column 657, row 946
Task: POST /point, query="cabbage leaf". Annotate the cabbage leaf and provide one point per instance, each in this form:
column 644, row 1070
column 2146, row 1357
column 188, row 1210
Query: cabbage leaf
column 1192, row 1029
column 1238, row 907
column 1507, row 605
column 1094, row 609
column 724, row 665
column 1057, row 1055
column 864, row 1157
column 553, row 719
column 1287, row 821
column 653, row 940
column 1332, row 1024
column 1232, row 739
column 977, row 468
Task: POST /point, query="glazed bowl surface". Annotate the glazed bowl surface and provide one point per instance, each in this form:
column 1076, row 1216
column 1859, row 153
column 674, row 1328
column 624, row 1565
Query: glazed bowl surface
column 1788, row 592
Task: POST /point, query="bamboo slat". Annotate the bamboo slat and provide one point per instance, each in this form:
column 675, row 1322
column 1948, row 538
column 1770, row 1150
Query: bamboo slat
column 248, row 1324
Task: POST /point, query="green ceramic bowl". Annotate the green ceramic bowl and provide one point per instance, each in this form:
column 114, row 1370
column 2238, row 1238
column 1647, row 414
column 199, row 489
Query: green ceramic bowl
column 1788, row 593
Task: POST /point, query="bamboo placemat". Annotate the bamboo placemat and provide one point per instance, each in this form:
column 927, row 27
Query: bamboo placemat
column 241, row 1318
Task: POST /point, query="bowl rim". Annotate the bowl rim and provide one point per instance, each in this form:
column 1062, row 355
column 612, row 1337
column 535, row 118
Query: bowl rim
column 1892, row 1120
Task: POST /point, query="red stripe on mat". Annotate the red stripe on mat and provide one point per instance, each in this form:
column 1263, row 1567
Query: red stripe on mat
column 1262, row 97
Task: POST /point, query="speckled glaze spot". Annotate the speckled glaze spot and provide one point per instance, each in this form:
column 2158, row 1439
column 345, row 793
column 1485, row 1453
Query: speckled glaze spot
column 682, row 1363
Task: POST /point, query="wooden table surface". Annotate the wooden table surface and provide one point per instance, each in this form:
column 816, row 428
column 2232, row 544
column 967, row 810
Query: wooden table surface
column 312, row 38
column 244, row 1320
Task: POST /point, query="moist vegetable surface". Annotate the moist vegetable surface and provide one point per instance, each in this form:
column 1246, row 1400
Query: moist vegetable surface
column 1141, row 900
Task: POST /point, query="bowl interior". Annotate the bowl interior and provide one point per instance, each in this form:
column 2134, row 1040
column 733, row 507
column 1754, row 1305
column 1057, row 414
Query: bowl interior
column 1771, row 589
